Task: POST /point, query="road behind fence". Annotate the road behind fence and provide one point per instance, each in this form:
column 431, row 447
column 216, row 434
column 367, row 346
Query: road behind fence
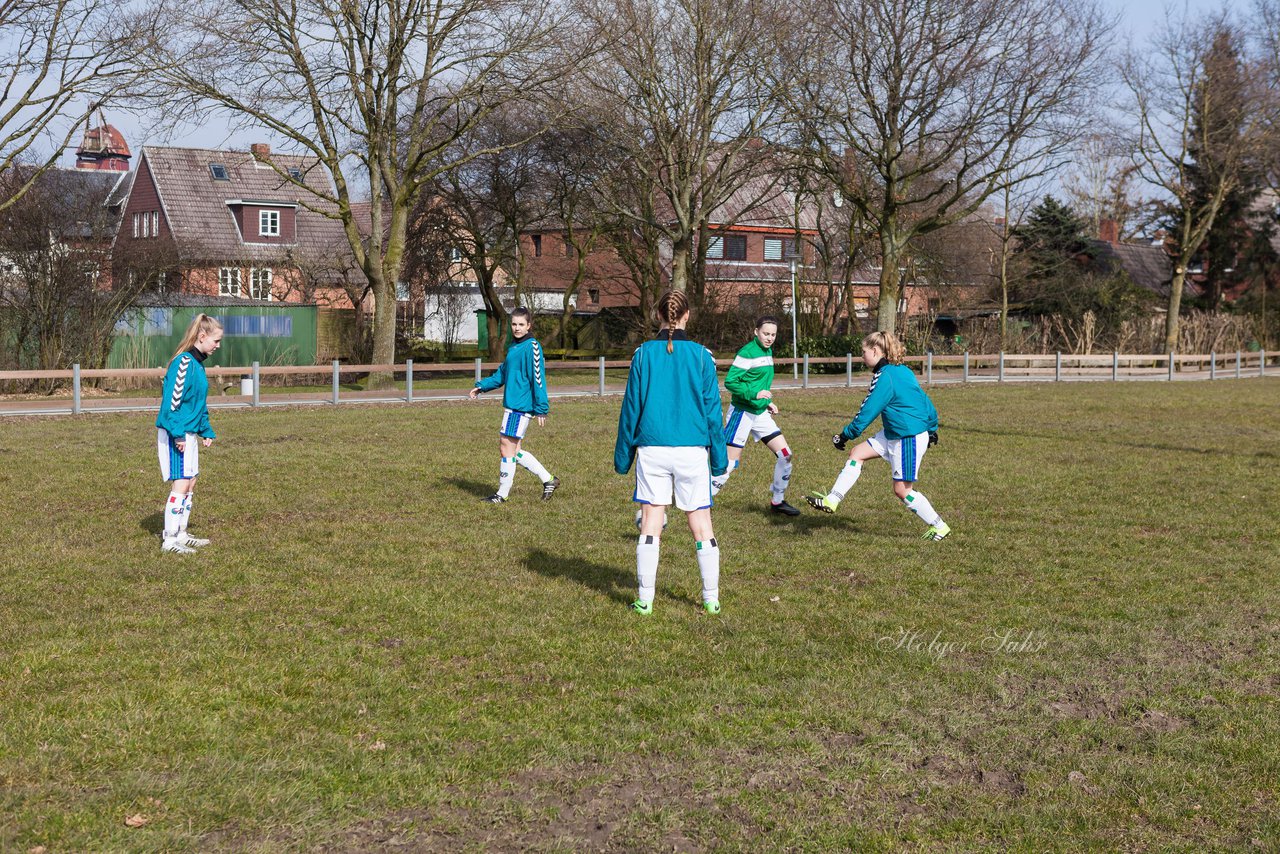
column 260, row 386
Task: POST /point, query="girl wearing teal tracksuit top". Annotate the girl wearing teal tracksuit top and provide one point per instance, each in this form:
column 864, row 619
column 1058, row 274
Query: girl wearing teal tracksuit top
column 910, row 425
column 669, row 428
column 522, row 376
column 182, row 427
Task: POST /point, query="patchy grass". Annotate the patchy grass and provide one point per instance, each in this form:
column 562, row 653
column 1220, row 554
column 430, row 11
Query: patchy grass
column 370, row 658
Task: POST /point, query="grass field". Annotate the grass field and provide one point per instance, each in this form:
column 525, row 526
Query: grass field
column 368, row 658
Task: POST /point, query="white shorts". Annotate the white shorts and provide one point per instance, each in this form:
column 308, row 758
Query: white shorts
column 740, row 425
column 514, row 423
column 686, row 471
column 175, row 464
column 904, row 455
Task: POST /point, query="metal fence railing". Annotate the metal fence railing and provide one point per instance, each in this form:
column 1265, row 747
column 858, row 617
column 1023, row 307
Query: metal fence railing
column 336, row 383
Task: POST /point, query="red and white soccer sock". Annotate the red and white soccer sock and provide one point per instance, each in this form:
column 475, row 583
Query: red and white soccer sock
column 844, row 482
column 781, row 476
column 919, row 505
column 506, row 474
column 717, row 483
column 530, row 462
column 647, row 567
column 709, row 567
column 173, row 515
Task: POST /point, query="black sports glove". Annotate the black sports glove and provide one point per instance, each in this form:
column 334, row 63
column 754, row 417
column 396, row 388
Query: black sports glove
column 839, row 441
column 933, row 438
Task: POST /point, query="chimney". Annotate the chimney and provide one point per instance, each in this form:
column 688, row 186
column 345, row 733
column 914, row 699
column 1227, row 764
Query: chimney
column 260, row 150
column 1109, row 231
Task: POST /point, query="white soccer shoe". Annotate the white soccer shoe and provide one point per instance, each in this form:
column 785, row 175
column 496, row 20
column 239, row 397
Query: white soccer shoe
column 192, row 542
column 176, row 546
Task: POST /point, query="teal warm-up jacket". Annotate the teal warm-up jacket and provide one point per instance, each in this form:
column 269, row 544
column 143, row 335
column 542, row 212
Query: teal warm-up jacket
column 895, row 395
column 672, row 400
column 184, row 407
column 522, row 376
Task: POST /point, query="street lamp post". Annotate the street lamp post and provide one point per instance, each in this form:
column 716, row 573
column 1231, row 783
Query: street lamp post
column 795, row 367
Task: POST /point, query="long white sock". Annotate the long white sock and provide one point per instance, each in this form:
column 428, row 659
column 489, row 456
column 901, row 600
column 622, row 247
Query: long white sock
column 919, row 505
column 186, row 514
column 781, row 476
column 530, row 462
column 506, row 474
column 709, row 567
column 173, row 515
column 647, row 567
column 717, row 483
column 848, row 477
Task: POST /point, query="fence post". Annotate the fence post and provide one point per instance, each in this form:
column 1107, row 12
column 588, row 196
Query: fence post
column 1262, row 363
column 256, row 400
column 408, row 380
column 75, row 389
column 1057, row 366
column 335, row 382
column 1115, row 365
column 602, row 376
column 1213, row 365
column 805, row 383
column 1171, row 366
column 1237, row 364
column 477, row 369
column 928, row 370
column 848, row 370
column 966, row 365
column 1000, row 375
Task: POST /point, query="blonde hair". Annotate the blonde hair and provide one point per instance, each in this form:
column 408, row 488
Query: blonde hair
column 672, row 306
column 202, row 324
column 888, row 344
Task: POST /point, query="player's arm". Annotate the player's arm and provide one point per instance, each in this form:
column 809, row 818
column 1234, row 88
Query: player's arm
column 539, row 384
column 873, row 404
column 497, row 379
column 624, row 449
column 719, row 457
column 184, row 414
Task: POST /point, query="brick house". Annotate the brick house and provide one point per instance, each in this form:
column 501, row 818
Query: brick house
column 231, row 224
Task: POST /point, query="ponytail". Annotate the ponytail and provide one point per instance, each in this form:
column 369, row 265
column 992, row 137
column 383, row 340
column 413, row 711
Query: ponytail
column 672, row 306
column 893, row 349
column 203, row 324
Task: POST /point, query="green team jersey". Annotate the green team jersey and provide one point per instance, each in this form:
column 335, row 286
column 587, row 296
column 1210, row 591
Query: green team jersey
column 750, row 374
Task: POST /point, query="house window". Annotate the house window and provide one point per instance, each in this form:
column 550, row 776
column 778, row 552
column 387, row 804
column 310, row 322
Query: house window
column 773, row 249
column 219, row 172
column 155, row 223
column 537, row 245
column 137, row 224
column 715, row 248
column 568, row 248
column 593, row 294
column 295, row 174
column 162, row 282
column 269, row 223
column 455, row 254
column 735, row 247
column 146, row 225
column 229, row 282
column 260, row 283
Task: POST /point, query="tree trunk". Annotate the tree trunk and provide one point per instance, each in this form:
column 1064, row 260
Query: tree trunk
column 890, row 286
column 1175, row 304
column 680, row 264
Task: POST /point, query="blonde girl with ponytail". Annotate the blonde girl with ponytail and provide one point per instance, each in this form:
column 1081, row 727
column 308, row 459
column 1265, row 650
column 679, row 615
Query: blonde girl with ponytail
column 909, row 426
column 669, row 428
column 182, row 426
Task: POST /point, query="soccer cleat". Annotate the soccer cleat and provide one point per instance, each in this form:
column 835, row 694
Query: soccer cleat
column 192, row 542
column 493, row 499
column 937, row 532
column 712, row 608
column 549, row 487
column 822, row 501
column 784, row 508
column 644, row 609
column 176, row 546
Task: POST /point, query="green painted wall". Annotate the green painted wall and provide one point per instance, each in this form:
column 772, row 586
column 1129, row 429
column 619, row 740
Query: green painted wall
column 147, row 337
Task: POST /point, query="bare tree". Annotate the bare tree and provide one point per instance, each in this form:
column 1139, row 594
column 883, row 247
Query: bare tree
column 920, row 110
column 1197, row 127
column 379, row 91
column 1102, row 186
column 60, row 60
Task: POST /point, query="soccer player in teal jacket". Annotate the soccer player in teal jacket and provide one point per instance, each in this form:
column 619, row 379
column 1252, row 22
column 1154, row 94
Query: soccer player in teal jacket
column 910, row 425
column 669, row 428
column 182, row 426
column 522, row 376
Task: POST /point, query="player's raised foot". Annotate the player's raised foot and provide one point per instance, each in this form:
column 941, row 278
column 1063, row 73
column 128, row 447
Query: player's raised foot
column 712, row 608
column 644, row 609
column 822, row 501
column 192, row 542
column 937, row 532
column 784, row 508
column 174, row 545
column 550, row 487
column 493, row 499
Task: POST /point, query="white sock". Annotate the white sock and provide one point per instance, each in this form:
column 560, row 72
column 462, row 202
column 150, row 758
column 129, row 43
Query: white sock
column 848, row 477
column 173, row 515
column 709, row 566
column 506, row 474
column 537, row 469
column 717, row 483
column 647, row 567
column 919, row 505
column 186, row 514
column 781, row 476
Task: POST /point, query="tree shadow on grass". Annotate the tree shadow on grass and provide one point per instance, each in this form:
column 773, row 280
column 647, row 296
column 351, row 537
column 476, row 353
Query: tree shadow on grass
column 475, row 487
column 611, row 581
column 152, row 523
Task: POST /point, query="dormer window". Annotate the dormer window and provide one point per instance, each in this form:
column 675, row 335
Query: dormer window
column 295, row 174
column 269, row 223
column 219, row 172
